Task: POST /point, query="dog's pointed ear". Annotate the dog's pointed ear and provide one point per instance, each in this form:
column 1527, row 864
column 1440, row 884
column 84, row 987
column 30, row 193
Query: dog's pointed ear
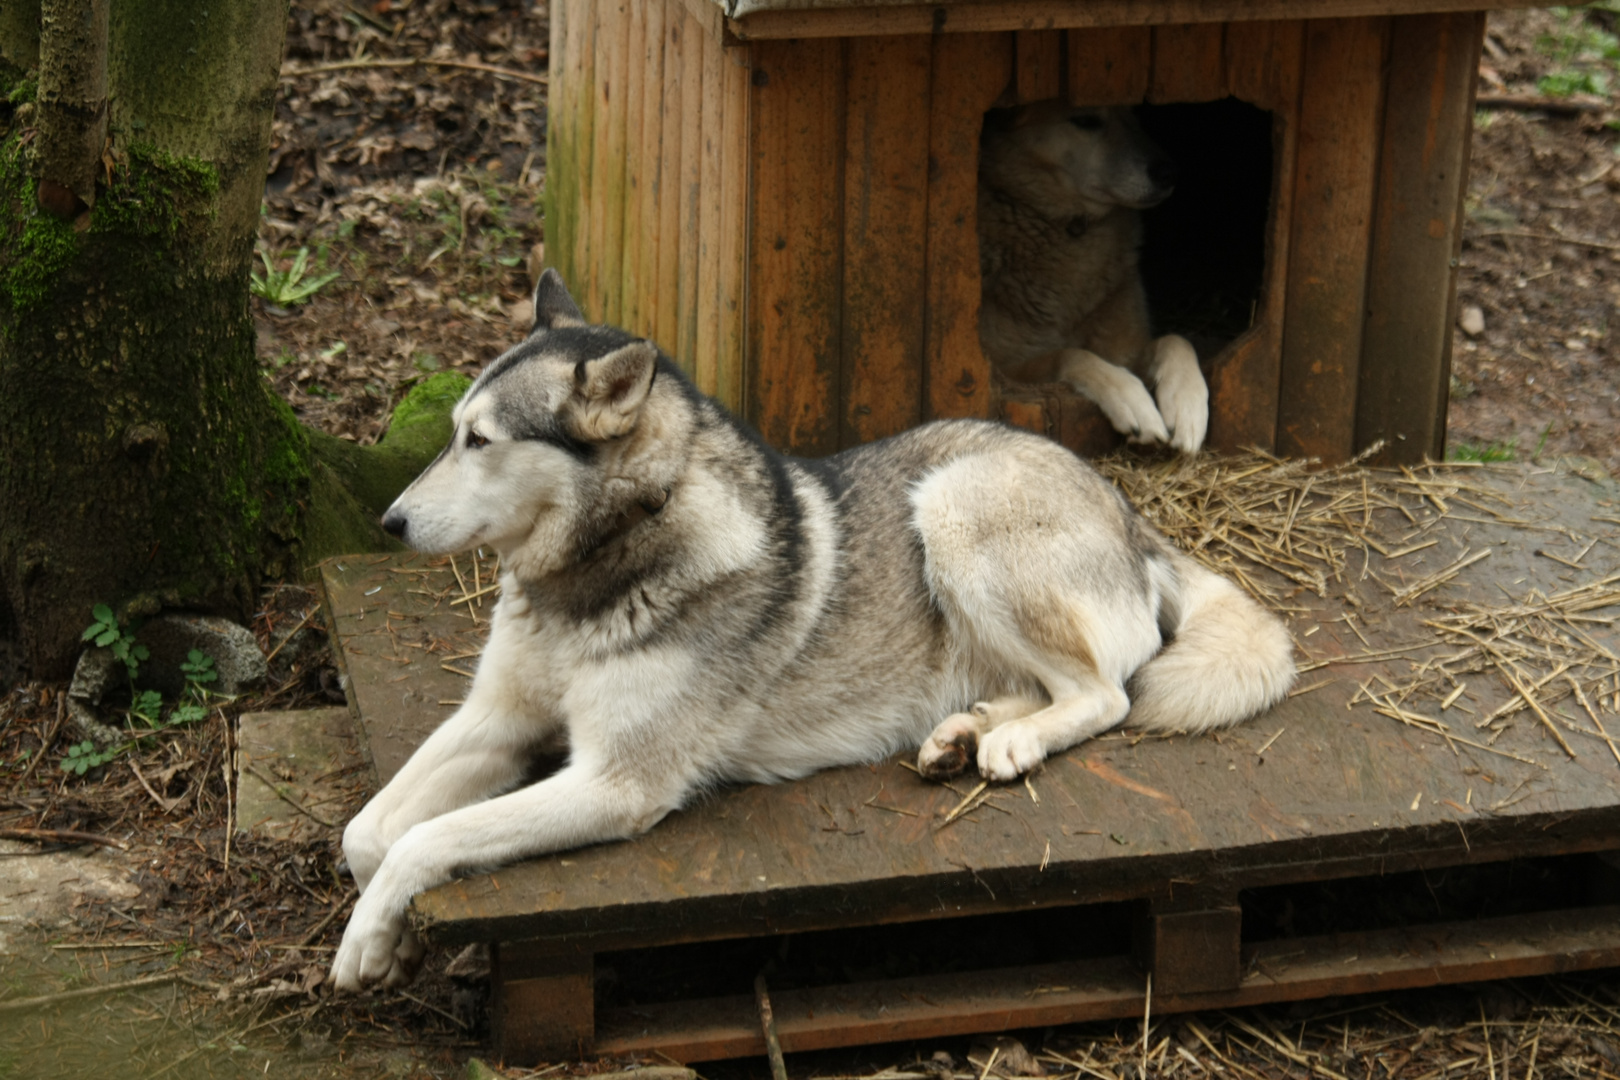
column 553, row 307
column 609, row 391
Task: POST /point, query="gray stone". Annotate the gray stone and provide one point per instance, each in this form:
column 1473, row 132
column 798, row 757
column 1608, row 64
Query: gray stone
column 1472, row 320
column 97, row 674
column 290, row 783
column 170, row 638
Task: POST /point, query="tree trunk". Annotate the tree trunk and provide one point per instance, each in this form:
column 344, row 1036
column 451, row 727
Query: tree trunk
column 143, row 461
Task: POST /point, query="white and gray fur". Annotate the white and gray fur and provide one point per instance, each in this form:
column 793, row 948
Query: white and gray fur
column 1060, row 190
column 685, row 606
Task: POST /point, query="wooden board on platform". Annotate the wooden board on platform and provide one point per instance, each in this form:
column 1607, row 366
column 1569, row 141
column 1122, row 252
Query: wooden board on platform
column 1323, row 786
column 408, row 649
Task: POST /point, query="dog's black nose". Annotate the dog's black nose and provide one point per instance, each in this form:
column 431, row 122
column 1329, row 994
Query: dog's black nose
column 1163, row 173
column 394, row 522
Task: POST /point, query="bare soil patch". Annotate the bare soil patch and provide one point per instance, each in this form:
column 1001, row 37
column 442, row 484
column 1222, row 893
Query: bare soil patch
column 1541, row 249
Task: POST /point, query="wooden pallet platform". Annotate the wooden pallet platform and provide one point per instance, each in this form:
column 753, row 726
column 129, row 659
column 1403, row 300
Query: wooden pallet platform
column 1315, row 790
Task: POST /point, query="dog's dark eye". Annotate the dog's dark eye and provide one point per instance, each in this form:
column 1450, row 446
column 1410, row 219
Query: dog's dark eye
column 475, row 440
column 1087, row 122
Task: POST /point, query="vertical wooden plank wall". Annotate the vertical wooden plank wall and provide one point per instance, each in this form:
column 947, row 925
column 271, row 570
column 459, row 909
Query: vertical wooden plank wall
column 1263, row 68
column 706, row 357
column 1039, row 73
column 1189, row 63
column 602, row 272
column 731, row 371
column 666, row 289
column 796, row 203
column 569, row 138
column 1340, row 110
column 1422, row 178
column 690, row 178
column 1110, row 66
column 635, row 165
column 970, row 72
column 885, row 235
column 795, row 221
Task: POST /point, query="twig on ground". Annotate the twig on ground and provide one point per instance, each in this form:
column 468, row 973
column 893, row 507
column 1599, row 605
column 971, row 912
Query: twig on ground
column 415, row 61
column 61, row 836
column 253, row 770
column 50, row 738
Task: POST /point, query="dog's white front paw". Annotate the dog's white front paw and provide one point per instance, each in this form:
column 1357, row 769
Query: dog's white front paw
column 950, row 748
column 1130, row 408
column 1182, row 393
column 1009, row 751
column 378, row 949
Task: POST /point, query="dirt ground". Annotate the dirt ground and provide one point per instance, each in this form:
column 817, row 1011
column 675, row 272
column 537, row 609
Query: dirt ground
column 418, row 188
column 1541, row 248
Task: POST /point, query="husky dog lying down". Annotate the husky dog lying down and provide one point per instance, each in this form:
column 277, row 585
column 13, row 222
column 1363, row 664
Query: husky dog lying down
column 688, row 607
column 1060, row 188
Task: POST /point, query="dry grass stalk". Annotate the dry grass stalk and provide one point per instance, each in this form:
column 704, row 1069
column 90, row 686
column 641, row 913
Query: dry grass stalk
column 1277, row 527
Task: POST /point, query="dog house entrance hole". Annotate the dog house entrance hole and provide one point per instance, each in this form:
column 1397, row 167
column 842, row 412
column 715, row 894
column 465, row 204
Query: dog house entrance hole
column 1204, row 250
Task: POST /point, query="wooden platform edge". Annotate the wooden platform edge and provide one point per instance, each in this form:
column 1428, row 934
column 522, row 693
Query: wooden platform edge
column 1285, row 970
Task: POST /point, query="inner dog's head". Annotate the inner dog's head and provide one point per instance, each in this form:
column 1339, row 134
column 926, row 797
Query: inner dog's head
column 1069, row 161
column 538, row 454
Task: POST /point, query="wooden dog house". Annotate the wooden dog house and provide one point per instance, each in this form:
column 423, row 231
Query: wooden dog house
column 781, row 193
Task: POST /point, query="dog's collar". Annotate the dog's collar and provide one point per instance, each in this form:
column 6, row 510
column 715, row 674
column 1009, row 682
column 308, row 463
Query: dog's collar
column 634, row 516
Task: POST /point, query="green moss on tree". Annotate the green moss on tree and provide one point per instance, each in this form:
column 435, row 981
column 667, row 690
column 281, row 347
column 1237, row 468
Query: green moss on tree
column 144, row 461
column 418, row 431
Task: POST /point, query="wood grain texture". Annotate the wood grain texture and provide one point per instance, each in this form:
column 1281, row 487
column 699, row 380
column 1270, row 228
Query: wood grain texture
column 969, row 74
column 1263, row 63
column 569, row 140
column 601, row 298
column 670, row 179
column 634, row 237
column 1416, row 233
column 1081, row 425
column 706, row 361
column 691, row 193
column 885, row 235
column 797, row 122
column 1263, row 67
column 731, row 375
column 979, row 16
column 1040, row 64
column 1028, row 410
column 543, row 1004
column 1045, row 995
column 1110, row 66
column 652, row 168
column 1341, row 109
column 1188, row 63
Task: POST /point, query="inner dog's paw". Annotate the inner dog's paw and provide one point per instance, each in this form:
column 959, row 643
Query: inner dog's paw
column 950, row 749
column 1130, row 408
column 376, row 951
column 1010, row 751
column 1184, row 404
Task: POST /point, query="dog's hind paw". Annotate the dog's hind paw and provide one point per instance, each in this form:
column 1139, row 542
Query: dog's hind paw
column 950, row 749
column 1009, row 751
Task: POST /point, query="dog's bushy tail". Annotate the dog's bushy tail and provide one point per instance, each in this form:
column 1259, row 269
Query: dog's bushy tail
column 1229, row 659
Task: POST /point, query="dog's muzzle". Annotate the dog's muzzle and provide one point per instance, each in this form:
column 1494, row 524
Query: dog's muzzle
column 395, row 522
